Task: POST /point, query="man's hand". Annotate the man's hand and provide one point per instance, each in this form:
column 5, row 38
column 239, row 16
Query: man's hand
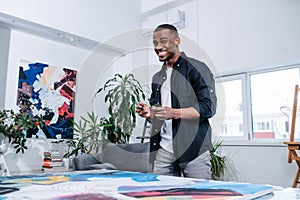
column 143, row 110
column 162, row 113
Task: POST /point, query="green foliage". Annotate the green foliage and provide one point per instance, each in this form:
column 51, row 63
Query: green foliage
column 109, row 130
column 122, row 94
column 13, row 125
column 217, row 161
column 88, row 135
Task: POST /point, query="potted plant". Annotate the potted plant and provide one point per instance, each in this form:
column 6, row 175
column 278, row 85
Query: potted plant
column 14, row 126
column 217, row 161
column 88, row 135
column 122, row 94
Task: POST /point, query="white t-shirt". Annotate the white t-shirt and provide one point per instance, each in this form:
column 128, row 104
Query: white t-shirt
column 166, row 129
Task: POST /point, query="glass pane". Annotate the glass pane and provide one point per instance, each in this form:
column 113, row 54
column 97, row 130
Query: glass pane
column 232, row 121
column 272, row 99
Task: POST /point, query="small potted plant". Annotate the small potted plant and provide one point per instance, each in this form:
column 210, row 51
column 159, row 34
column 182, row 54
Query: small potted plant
column 217, row 161
column 88, row 135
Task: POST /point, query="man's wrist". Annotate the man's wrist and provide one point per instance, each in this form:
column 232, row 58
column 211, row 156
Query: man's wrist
column 177, row 113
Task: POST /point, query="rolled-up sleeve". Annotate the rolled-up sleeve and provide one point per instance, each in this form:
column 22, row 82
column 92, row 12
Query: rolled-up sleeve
column 204, row 87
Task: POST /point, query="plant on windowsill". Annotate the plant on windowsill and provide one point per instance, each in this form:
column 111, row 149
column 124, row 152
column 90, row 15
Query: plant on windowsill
column 217, row 161
column 122, row 94
column 14, row 125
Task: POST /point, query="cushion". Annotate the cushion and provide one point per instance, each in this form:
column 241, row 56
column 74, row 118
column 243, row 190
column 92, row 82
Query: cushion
column 128, row 157
column 108, row 166
column 82, row 161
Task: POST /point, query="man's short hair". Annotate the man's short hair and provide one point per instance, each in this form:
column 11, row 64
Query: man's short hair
column 167, row 26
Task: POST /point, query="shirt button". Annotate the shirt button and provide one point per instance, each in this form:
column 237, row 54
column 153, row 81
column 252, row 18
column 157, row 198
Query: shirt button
column 157, row 89
column 178, row 65
column 164, row 77
column 154, row 143
column 156, row 130
column 211, row 90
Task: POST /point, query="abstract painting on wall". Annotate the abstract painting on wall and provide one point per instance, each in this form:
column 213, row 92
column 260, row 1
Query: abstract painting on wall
column 47, row 91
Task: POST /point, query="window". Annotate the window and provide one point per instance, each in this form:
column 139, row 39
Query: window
column 231, row 107
column 256, row 105
column 272, row 99
column 261, row 126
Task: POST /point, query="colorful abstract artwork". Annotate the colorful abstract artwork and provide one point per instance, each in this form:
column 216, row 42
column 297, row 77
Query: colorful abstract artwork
column 47, row 91
column 124, row 185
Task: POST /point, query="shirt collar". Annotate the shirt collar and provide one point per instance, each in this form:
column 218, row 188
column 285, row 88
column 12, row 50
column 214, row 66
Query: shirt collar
column 180, row 60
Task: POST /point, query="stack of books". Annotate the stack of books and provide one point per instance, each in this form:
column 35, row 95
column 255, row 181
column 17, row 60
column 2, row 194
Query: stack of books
column 52, row 159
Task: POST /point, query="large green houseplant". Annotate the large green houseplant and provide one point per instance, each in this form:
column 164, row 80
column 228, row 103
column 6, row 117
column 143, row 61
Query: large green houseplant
column 14, row 125
column 122, row 94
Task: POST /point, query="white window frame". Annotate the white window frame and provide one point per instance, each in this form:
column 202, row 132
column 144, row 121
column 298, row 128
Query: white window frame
column 241, row 77
column 247, row 138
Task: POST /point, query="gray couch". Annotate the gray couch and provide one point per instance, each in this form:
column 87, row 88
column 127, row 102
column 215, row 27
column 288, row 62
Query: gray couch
column 125, row 157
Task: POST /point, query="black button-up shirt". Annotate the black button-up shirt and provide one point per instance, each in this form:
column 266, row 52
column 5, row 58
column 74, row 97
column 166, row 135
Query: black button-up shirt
column 192, row 85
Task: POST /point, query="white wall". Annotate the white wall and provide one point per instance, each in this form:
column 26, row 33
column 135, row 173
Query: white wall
column 247, row 35
column 4, row 40
column 260, row 163
column 240, row 36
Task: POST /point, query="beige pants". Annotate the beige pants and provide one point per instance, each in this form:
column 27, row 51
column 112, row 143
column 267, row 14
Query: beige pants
column 165, row 164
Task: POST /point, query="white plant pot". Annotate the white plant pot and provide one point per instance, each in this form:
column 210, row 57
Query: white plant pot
column 66, row 162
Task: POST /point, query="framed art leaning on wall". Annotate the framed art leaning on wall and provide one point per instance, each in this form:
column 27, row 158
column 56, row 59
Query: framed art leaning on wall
column 48, row 91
